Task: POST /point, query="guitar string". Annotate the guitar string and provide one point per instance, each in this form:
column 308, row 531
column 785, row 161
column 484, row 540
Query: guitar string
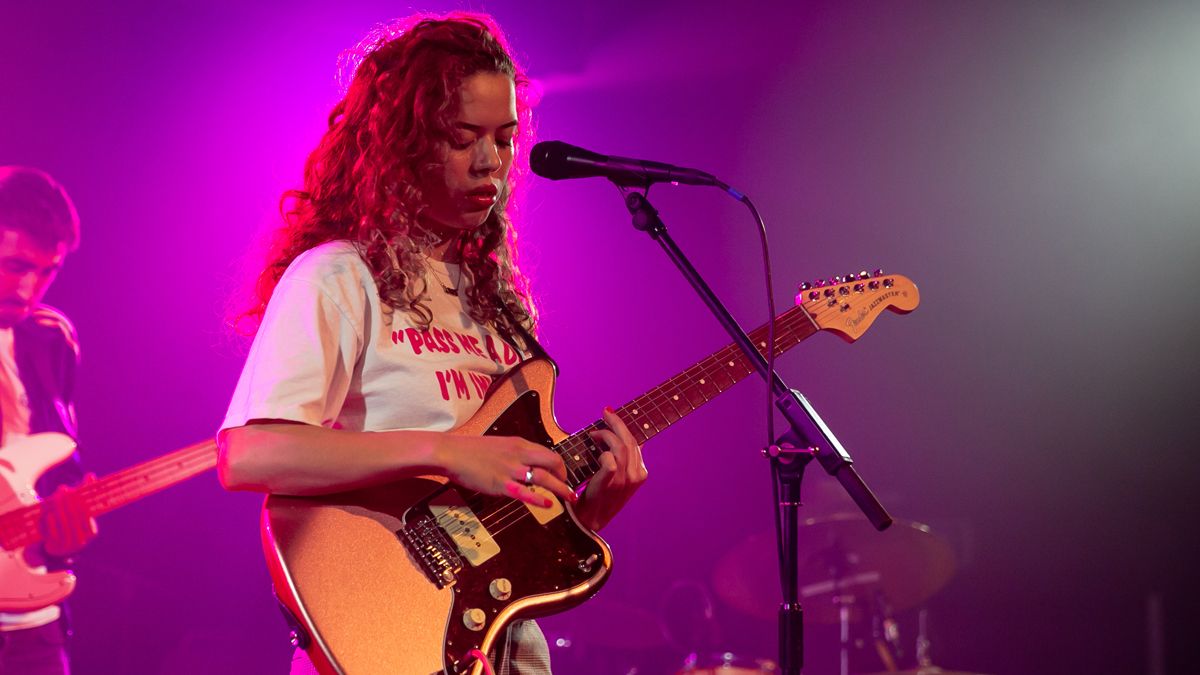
column 26, row 519
column 649, row 402
column 657, row 400
column 23, row 525
column 716, row 365
column 659, row 405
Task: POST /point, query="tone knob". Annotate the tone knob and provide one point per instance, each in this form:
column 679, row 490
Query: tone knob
column 474, row 618
column 501, row 589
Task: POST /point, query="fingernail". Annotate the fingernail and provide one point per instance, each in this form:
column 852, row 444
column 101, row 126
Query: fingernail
column 546, row 503
column 609, row 409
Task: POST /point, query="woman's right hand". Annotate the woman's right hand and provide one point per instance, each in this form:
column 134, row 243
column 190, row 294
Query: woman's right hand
column 499, row 465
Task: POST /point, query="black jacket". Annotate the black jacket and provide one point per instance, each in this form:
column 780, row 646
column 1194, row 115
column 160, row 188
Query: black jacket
column 47, row 355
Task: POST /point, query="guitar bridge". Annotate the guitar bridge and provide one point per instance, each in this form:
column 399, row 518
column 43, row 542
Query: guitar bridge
column 431, row 547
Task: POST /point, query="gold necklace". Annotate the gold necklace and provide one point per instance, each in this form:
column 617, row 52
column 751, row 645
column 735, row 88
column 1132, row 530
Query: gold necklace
column 449, row 289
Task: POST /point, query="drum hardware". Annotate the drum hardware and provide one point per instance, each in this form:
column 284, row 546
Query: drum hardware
column 849, row 572
column 907, row 564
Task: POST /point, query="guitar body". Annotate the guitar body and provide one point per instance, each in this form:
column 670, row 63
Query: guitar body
column 410, row 576
column 413, row 576
column 22, row 463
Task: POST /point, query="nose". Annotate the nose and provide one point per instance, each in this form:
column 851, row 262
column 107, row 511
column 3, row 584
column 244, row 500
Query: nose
column 487, row 157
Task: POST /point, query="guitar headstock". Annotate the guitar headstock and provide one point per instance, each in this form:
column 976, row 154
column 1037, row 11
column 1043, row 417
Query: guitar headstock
column 847, row 305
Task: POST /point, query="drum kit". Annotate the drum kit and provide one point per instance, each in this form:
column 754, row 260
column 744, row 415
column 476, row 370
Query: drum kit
column 852, row 577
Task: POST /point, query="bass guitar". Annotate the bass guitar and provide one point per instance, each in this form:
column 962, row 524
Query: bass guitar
column 420, row 576
column 22, row 588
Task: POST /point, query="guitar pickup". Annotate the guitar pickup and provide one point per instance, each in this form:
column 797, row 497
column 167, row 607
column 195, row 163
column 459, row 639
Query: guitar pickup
column 454, row 518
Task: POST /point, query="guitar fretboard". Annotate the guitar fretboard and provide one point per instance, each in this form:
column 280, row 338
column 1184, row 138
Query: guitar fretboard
column 19, row 527
column 672, row 400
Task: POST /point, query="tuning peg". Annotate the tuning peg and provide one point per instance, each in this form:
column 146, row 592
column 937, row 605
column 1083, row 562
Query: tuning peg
column 864, row 275
column 804, row 286
column 819, row 283
column 850, row 277
column 837, row 280
column 877, row 273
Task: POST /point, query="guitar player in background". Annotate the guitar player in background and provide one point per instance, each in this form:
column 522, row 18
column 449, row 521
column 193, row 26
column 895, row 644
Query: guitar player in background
column 38, row 355
column 391, row 298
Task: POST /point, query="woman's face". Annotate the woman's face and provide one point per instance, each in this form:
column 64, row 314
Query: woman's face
column 475, row 164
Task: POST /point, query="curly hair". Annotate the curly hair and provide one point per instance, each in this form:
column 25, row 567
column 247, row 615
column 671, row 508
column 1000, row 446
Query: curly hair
column 361, row 183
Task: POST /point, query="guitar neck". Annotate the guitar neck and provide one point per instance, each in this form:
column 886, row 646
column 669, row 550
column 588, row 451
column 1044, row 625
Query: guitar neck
column 659, row 408
column 129, row 485
column 20, row 527
column 671, row 401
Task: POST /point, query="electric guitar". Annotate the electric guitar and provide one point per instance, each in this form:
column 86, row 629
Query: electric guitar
column 22, row 463
column 419, row 576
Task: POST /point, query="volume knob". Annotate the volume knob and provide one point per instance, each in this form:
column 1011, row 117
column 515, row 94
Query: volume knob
column 501, row 589
column 474, row 618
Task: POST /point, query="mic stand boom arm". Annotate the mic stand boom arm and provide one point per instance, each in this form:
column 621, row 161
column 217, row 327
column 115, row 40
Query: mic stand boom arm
column 807, row 431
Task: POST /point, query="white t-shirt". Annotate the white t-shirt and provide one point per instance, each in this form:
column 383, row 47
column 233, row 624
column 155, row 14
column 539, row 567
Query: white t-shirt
column 14, row 408
column 328, row 354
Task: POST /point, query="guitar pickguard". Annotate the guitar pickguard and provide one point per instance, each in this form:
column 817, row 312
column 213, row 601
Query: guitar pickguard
column 504, row 559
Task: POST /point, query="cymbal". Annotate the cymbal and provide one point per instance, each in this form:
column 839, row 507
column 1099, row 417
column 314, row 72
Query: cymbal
column 842, row 558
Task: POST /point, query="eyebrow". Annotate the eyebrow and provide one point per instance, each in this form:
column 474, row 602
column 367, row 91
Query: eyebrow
column 476, row 127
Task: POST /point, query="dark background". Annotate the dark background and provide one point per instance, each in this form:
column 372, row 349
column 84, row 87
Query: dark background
column 1032, row 166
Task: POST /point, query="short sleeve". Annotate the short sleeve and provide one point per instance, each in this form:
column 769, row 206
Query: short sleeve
column 304, row 356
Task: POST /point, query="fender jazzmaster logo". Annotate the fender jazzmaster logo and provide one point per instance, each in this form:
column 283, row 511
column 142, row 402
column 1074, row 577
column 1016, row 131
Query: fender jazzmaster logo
column 853, row 321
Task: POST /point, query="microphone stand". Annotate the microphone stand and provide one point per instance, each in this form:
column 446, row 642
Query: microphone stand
column 808, row 437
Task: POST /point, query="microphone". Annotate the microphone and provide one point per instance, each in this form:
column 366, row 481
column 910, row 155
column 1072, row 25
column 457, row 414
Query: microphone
column 557, row 161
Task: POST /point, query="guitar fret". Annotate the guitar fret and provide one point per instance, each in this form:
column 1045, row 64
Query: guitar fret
column 676, row 390
column 658, row 412
column 722, row 378
column 693, row 394
column 661, row 407
column 20, row 527
column 672, row 401
column 643, row 424
column 579, row 458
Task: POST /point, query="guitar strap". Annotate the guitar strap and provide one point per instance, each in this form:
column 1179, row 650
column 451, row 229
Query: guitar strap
column 531, row 344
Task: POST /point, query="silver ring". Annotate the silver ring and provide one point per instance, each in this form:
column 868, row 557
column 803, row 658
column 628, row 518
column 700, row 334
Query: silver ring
column 529, row 476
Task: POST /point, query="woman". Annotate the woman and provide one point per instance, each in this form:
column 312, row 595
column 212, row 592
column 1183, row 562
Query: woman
column 391, row 298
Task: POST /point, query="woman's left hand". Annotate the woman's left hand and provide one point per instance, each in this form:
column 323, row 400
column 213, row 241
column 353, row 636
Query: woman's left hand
column 621, row 473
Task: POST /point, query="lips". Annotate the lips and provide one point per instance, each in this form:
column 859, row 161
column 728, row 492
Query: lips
column 483, row 197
